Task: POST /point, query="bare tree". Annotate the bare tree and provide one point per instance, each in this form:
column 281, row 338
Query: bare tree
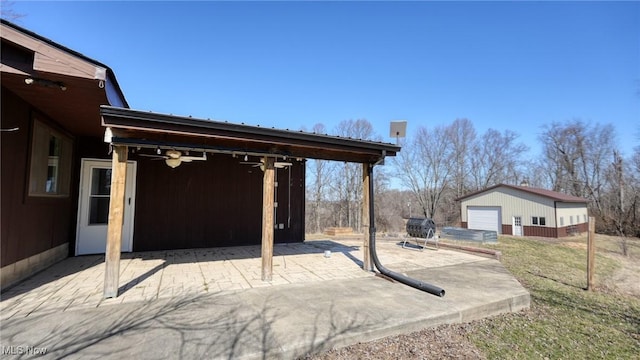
column 425, row 167
column 620, row 201
column 577, row 154
column 346, row 182
column 497, row 159
column 462, row 136
column 318, row 177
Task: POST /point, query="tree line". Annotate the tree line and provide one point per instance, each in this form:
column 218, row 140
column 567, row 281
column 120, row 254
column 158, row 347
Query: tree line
column 437, row 165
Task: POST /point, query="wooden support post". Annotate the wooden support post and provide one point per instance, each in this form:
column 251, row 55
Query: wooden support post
column 116, row 220
column 267, row 218
column 591, row 252
column 367, row 265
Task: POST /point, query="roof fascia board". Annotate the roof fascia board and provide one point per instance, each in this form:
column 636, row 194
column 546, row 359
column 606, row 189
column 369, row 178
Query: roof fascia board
column 120, row 118
column 57, row 62
column 91, row 69
column 5, row 68
column 48, row 58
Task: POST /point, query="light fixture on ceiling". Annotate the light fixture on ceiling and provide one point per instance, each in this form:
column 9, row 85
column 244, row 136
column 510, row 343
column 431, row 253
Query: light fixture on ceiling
column 173, row 158
column 246, row 158
column 45, row 83
column 173, row 163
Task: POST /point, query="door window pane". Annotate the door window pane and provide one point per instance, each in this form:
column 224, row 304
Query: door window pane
column 98, row 210
column 99, row 196
column 101, row 182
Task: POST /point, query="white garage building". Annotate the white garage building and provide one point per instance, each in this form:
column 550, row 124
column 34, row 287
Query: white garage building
column 522, row 210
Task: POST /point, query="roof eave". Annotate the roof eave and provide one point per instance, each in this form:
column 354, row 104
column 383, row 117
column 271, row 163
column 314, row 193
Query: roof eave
column 110, row 74
column 558, row 199
column 147, row 129
column 130, row 119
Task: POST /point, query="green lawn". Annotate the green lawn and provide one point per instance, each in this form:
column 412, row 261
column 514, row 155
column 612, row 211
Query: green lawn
column 564, row 321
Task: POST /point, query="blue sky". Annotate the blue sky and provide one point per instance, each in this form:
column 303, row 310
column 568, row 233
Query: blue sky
column 503, row 65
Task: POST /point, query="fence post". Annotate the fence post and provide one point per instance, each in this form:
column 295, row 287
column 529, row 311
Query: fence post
column 591, row 252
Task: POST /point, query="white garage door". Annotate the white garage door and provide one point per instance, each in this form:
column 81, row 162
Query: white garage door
column 484, row 218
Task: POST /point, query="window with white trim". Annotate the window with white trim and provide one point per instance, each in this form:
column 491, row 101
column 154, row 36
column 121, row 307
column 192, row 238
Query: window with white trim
column 538, row 220
column 50, row 167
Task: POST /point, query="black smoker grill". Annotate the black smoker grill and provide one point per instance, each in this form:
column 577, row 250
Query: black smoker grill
column 421, row 228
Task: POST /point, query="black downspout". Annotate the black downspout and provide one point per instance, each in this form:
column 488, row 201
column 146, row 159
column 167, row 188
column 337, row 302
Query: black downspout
column 374, row 256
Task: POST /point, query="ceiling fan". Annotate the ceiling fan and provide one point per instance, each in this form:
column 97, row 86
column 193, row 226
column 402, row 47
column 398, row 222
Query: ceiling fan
column 173, row 158
column 277, row 164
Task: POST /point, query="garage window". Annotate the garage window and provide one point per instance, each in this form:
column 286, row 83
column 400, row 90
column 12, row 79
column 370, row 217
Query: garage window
column 50, row 168
column 535, row 220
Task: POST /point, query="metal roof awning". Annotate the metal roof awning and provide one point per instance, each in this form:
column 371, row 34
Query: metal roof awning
column 147, row 129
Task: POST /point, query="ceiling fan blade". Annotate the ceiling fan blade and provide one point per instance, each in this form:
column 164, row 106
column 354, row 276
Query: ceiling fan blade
column 156, row 157
column 282, row 164
column 190, row 158
column 203, row 157
column 174, row 154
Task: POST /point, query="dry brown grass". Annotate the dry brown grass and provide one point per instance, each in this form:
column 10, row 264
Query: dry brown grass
column 564, row 321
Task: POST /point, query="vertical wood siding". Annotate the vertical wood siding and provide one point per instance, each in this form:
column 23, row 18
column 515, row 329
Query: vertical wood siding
column 30, row 225
column 213, row 203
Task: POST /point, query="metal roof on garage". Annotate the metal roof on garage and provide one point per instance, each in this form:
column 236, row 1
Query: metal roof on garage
column 554, row 195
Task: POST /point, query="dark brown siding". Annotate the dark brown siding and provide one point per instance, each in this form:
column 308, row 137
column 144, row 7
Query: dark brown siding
column 463, row 224
column 213, row 203
column 506, row 229
column 540, row 231
column 30, row 225
column 290, row 211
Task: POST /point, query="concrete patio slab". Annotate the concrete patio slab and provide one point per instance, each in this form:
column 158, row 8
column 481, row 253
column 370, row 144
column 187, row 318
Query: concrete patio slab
column 316, row 302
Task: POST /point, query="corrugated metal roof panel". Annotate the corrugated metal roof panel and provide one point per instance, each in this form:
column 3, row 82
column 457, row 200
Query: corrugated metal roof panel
column 558, row 196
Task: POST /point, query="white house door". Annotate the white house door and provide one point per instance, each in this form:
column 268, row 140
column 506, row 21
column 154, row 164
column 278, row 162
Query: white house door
column 93, row 207
column 517, row 226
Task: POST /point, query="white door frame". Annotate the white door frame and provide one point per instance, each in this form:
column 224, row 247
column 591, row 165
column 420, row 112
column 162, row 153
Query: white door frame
column 513, row 226
column 127, row 233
